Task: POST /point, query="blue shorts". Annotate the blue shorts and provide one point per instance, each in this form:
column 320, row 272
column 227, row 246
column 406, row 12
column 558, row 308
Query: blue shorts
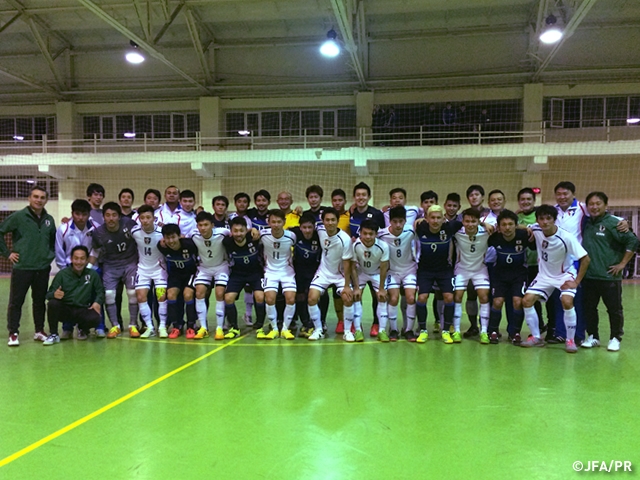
column 181, row 280
column 427, row 280
column 238, row 281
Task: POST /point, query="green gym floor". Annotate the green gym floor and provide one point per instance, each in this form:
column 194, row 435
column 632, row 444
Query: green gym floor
column 243, row 409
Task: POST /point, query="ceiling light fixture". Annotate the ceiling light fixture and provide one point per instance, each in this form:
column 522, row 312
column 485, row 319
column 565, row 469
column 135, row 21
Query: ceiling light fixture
column 244, row 133
column 134, row 55
column 19, row 138
column 551, row 33
column 330, row 47
column 129, row 135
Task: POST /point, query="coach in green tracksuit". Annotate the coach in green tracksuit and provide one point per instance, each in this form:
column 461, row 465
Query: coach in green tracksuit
column 609, row 250
column 34, row 237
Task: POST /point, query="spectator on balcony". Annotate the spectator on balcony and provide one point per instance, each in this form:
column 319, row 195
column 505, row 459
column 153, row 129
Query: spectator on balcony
column 449, row 115
column 378, row 119
column 390, row 127
column 464, row 124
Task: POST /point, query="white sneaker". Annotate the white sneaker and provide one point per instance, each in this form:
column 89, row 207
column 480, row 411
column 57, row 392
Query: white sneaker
column 13, row 340
column 590, row 342
column 148, row 333
column 162, row 332
column 614, row 345
column 100, row 333
column 316, row 335
column 51, row 339
column 348, row 337
column 40, row 336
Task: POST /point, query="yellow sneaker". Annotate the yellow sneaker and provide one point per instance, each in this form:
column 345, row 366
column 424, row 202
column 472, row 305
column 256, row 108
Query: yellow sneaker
column 456, row 337
column 272, row 334
column 133, row 332
column 219, row 334
column 287, row 335
column 423, row 337
column 260, row 335
column 113, row 332
column 446, row 337
column 232, row 333
column 202, row 333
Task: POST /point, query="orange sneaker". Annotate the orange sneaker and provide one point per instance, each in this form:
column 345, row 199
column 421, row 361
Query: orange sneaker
column 175, row 333
column 190, row 334
column 133, row 332
column 114, row 332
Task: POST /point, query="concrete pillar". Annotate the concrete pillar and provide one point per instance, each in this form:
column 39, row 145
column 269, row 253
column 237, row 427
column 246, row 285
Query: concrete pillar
column 364, row 109
column 67, row 128
column 532, row 109
column 67, row 193
column 211, row 187
column 210, row 120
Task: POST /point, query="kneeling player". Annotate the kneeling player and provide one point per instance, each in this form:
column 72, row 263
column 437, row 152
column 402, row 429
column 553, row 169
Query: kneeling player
column 371, row 263
column 181, row 256
column 334, row 269
column 556, row 250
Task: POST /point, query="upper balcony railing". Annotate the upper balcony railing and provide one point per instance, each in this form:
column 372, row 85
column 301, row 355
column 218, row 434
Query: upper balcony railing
column 428, row 136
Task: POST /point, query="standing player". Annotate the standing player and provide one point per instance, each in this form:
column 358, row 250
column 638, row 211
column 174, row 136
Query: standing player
column 556, row 250
column 509, row 276
column 242, row 201
column 398, row 197
column 125, row 198
column 471, row 246
column 434, row 268
column 314, row 195
column 95, row 196
column 181, row 255
column 116, row 249
column 246, row 269
column 334, row 269
column 259, row 215
column 452, row 207
column 169, row 212
column 338, row 202
column 187, row 217
column 402, row 269
column 371, row 264
column 292, row 217
column 220, row 204
column 152, row 271
column 277, row 245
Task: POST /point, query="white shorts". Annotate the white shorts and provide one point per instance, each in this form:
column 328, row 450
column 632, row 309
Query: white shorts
column 321, row 281
column 206, row 275
column 363, row 278
column 480, row 279
column 285, row 277
column 157, row 276
column 544, row 286
column 406, row 279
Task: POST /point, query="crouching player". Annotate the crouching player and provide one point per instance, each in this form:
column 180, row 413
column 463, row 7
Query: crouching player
column 371, row 263
column 556, row 250
column 181, row 256
column 152, row 270
column 509, row 276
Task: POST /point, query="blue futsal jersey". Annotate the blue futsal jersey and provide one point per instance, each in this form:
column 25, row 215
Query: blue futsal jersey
column 258, row 221
column 512, row 255
column 435, row 247
column 369, row 214
column 245, row 259
column 306, row 253
column 182, row 261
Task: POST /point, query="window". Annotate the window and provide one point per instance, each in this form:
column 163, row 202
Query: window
column 19, row 186
column 617, row 111
column 311, row 122
column 329, row 123
column 26, row 129
column 293, row 123
column 347, row 123
column 270, row 124
column 158, row 126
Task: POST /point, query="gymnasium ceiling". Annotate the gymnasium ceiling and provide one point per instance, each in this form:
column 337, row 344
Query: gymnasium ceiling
column 74, row 49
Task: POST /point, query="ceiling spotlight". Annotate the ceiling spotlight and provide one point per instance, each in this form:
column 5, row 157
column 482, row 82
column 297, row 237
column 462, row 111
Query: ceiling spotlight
column 330, row 47
column 551, row 32
column 129, row 135
column 134, row 55
column 244, row 133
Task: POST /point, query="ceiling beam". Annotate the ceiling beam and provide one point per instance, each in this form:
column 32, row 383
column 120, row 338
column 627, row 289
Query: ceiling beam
column 144, row 23
column 569, row 30
column 28, row 81
column 28, row 14
column 167, row 24
column 363, row 41
column 147, row 47
column 11, row 20
column 346, row 30
column 45, row 52
column 192, row 25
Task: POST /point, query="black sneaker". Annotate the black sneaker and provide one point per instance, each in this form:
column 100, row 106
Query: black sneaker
column 409, row 336
column 393, row 336
column 516, row 339
column 493, row 338
column 472, row 332
column 554, row 340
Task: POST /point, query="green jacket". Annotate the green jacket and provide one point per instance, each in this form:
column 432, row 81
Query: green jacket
column 606, row 246
column 33, row 238
column 79, row 290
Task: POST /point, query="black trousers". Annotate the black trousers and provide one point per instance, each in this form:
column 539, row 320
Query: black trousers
column 21, row 281
column 86, row 318
column 611, row 294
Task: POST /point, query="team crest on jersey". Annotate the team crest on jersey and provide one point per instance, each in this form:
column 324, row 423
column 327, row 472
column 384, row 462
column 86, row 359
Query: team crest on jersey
column 472, row 238
column 367, row 254
column 185, row 253
column 396, row 242
column 314, row 246
column 47, row 223
column 87, row 279
column 602, row 228
column 276, row 244
column 147, row 240
column 327, row 242
column 252, row 249
column 443, row 235
column 545, row 244
column 126, row 233
column 207, row 243
column 518, row 248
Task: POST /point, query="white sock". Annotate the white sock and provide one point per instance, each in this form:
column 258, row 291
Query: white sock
column 289, row 312
column 145, row 312
column 248, row 303
column 348, row 317
column 411, row 317
column 314, row 315
column 393, row 317
column 531, row 317
column 357, row 315
column 570, row 321
column 272, row 315
column 201, row 310
column 383, row 316
column 219, row 314
column 457, row 315
column 485, row 308
column 162, row 313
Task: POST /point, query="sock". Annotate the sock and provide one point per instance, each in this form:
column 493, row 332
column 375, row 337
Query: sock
column 403, row 308
column 289, row 312
column 393, row 317
column 192, row 316
column 201, row 310
column 518, row 317
column 112, row 313
column 232, row 315
column 531, row 317
column 272, row 315
column 357, row 315
column 172, row 313
column 457, row 315
column 472, row 312
column 494, row 319
column 484, row 316
column 570, row 321
column 383, row 316
column 348, row 317
column 303, row 313
column 411, row 317
column 260, row 314
column 162, row 313
column 421, row 311
column 314, row 315
column 248, row 303
column 440, row 315
column 219, row 314
column 145, row 313
column 447, row 315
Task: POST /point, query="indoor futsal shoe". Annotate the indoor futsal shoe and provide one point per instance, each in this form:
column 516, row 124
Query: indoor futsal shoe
column 423, row 337
column 375, row 329
column 446, row 337
column 516, row 339
column 456, row 337
column 219, row 334
column 472, row 332
column 51, row 339
column 382, row 336
column 287, row 335
column 359, row 336
column 272, row 334
column 348, row 337
column 570, row 346
column 436, row 327
column 494, row 339
column 114, row 332
column 148, row 333
column 202, row 333
column 13, row 340
column 317, row 334
column 162, row 332
column 190, row 334
column 133, row 332
column 232, row 333
column 590, row 342
column 40, row 336
column 409, row 336
column 484, row 338
column 340, row 327
column 614, row 345
column 532, row 342
column 260, row 335
column 394, row 335
column 174, row 333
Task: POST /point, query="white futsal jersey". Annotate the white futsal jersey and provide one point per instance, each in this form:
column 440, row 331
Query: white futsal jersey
column 210, row 250
column 557, row 252
column 471, row 250
column 402, row 250
column 335, row 249
column 369, row 259
column 413, row 213
column 149, row 257
column 277, row 252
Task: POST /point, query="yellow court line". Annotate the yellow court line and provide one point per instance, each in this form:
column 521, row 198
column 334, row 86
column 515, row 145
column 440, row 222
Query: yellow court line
column 304, row 344
column 108, row 407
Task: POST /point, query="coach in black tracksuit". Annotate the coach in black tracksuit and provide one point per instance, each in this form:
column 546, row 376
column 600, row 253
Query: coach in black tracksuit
column 34, row 235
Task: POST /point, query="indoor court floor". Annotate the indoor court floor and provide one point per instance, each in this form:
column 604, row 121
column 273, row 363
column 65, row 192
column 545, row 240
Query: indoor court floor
column 243, row 409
